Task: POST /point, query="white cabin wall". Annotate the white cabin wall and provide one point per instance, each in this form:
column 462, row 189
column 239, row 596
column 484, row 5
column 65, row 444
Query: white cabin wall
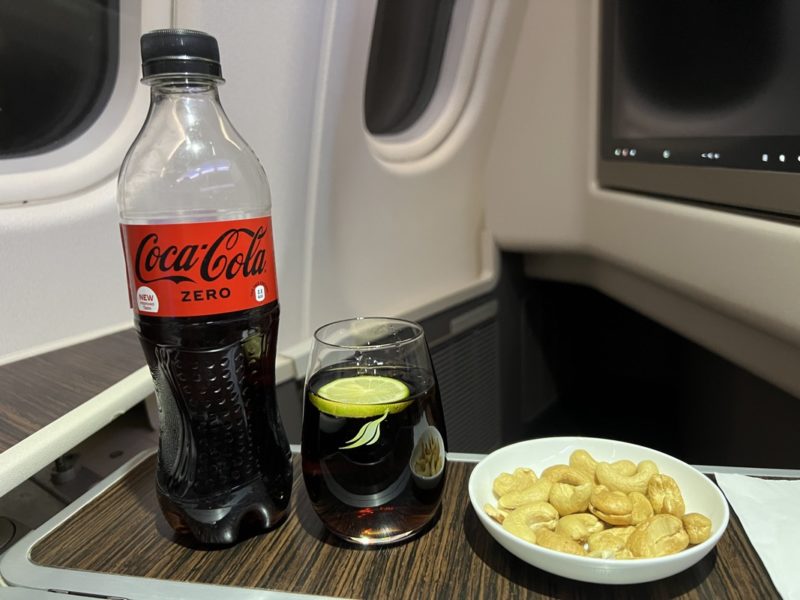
column 62, row 272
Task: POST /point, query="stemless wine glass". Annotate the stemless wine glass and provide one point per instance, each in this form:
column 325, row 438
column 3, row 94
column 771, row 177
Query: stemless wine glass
column 373, row 441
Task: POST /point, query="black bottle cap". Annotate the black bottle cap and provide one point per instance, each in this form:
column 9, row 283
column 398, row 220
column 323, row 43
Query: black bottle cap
column 179, row 52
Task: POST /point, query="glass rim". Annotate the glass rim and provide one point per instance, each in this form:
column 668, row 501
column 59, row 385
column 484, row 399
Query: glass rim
column 419, row 333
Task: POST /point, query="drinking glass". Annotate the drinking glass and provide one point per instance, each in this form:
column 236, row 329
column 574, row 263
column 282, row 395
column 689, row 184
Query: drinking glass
column 374, row 441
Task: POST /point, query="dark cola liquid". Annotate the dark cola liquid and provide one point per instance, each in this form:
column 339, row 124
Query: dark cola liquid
column 224, row 465
column 372, row 493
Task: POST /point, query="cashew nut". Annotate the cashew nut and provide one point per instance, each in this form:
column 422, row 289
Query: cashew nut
column 642, row 509
column 624, row 467
column 637, row 482
column 659, row 535
column 538, row 492
column 495, row 513
column 585, row 463
column 607, row 543
column 582, row 461
column 578, row 527
column 571, row 489
column 526, row 520
column 697, row 526
column 520, row 479
column 614, row 508
column 554, row 472
column 553, row 541
column 565, row 474
column 665, row 495
column 618, row 508
column 569, row 499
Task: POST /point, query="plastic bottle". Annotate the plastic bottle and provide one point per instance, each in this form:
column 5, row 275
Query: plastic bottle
column 194, row 205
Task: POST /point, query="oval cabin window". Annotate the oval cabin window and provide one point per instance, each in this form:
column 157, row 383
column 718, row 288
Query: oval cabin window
column 58, row 63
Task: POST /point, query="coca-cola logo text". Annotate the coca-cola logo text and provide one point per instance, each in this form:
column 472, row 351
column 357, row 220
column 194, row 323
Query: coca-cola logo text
column 225, row 257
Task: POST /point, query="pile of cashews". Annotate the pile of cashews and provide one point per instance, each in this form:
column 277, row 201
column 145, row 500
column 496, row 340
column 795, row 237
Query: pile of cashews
column 617, row 510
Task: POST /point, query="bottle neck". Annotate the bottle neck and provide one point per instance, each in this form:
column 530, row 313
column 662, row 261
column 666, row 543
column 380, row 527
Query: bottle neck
column 201, row 88
column 187, row 102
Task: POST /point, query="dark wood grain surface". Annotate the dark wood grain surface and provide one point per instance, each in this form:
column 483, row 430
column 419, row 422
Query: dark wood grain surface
column 36, row 391
column 122, row 532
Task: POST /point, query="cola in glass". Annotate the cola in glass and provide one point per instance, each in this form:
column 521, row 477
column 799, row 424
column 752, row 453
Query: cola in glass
column 196, row 227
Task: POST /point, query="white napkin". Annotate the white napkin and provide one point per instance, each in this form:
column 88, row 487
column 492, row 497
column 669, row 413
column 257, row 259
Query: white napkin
column 769, row 510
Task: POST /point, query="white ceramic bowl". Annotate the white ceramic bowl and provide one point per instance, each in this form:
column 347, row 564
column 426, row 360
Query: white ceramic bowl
column 699, row 493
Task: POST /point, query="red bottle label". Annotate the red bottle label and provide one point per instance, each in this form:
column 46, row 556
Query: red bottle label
column 198, row 269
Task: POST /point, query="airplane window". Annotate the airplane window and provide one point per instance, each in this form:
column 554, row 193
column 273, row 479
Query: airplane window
column 408, row 42
column 58, row 64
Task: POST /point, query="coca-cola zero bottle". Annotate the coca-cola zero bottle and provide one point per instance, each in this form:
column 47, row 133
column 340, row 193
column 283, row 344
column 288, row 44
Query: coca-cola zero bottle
column 194, row 206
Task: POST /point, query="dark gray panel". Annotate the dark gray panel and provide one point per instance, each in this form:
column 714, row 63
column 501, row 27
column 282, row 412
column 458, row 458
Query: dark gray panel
column 469, row 381
column 290, row 405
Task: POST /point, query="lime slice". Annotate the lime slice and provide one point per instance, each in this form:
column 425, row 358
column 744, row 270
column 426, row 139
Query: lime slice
column 361, row 396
